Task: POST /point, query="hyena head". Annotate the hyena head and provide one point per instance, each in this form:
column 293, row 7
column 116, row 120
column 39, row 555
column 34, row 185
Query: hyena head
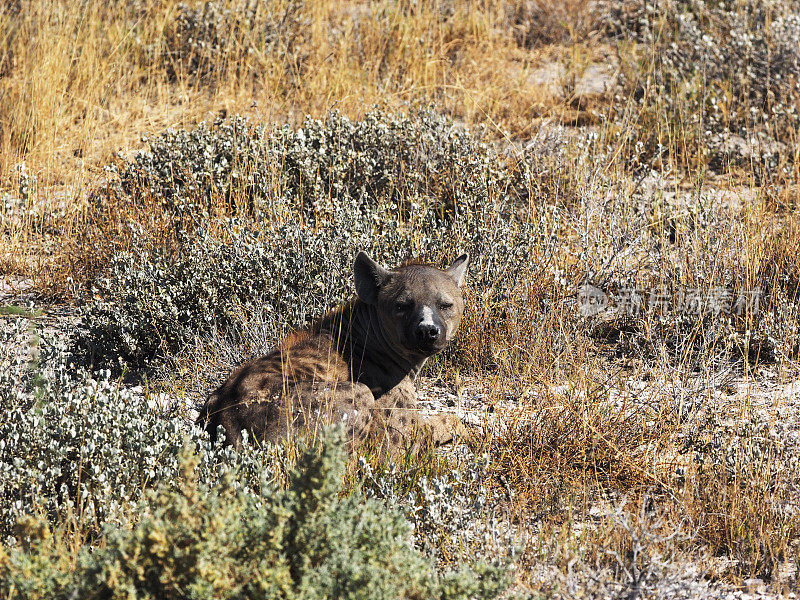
column 419, row 307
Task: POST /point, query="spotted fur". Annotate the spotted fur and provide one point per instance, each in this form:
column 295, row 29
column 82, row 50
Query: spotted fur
column 356, row 366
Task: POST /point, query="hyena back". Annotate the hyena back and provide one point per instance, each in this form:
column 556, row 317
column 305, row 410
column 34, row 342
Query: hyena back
column 356, row 366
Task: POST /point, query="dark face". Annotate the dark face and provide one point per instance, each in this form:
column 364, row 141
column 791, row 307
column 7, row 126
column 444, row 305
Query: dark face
column 420, row 307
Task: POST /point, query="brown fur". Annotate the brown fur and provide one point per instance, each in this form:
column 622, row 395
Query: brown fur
column 355, row 366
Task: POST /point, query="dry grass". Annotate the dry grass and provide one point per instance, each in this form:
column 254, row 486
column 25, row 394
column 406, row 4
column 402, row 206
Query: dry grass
column 80, row 82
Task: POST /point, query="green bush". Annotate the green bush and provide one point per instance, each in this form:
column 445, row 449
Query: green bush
column 78, row 448
column 195, row 541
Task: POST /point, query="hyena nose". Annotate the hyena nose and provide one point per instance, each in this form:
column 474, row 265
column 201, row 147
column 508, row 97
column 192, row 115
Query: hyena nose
column 427, row 333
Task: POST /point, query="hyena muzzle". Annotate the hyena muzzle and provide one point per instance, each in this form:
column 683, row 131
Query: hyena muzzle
column 355, row 366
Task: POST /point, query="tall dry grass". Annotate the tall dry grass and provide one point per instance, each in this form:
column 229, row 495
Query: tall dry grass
column 83, row 80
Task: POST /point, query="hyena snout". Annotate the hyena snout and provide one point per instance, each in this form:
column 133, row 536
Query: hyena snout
column 427, row 334
column 428, row 330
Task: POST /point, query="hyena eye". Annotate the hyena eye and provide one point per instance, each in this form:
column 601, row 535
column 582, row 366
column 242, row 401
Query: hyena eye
column 402, row 306
column 445, row 305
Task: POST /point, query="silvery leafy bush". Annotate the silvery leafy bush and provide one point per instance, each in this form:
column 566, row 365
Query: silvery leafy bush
column 454, row 514
column 16, row 354
column 152, row 299
column 732, row 69
column 75, row 445
column 308, row 540
column 398, row 187
column 399, row 159
column 324, row 164
column 79, row 451
column 188, row 169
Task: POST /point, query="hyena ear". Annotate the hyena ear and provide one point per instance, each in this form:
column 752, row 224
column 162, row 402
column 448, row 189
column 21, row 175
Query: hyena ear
column 458, row 270
column 369, row 277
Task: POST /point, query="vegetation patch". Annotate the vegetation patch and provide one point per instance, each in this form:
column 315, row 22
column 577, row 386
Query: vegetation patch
column 224, row 541
column 183, row 183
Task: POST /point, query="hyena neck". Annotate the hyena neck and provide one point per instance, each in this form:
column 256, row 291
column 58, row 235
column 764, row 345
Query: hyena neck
column 362, row 341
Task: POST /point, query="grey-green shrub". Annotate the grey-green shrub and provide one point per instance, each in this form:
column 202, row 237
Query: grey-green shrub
column 323, row 165
column 82, row 456
column 188, row 169
column 79, row 447
column 455, row 515
column 393, row 158
column 727, row 71
column 195, row 541
column 397, row 186
column 289, row 259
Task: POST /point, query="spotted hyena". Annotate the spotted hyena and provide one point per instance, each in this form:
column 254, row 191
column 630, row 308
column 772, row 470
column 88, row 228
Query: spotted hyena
column 355, row 366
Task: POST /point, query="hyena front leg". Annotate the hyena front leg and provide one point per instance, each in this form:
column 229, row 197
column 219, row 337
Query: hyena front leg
column 403, row 425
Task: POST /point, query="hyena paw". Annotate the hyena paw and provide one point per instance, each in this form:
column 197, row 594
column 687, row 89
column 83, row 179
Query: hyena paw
column 443, row 428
